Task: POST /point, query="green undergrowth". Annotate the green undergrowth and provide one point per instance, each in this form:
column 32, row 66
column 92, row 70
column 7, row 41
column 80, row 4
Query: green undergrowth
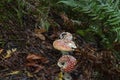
column 19, row 15
column 102, row 18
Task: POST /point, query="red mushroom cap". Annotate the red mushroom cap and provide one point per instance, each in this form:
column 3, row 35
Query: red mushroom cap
column 64, row 45
column 67, row 63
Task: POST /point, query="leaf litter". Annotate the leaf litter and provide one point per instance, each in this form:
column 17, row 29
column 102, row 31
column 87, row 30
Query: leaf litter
column 35, row 57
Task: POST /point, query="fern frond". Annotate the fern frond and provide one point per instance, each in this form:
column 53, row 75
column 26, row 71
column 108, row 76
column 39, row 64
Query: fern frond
column 107, row 11
column 117, row 30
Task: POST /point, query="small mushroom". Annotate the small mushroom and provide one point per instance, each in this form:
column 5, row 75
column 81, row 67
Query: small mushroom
column 66, row 35
column 67, row 76
column 67, row 63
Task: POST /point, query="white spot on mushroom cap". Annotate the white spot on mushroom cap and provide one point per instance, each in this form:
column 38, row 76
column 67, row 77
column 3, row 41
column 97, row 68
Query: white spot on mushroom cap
column 72, row 45
column 66, row 35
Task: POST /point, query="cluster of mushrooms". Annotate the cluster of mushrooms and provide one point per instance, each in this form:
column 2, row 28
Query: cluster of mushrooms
column 66, row 62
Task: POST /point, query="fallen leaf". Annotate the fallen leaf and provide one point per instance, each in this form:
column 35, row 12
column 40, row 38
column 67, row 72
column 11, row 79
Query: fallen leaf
column 9, row 53
column 40, row 36
column 1, row 50
column 60, row 76
column 32, row 57
column 35, row 61
column 13, row 73
column 36, row 66
column 92, row 57
column 38, row 33
column 14, row 49
column 42, row 30
column 29, row 74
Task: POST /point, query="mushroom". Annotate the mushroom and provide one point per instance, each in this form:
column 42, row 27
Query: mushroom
column 64, row 45
column 67, row 76
column 67, row 63
column 66, row 35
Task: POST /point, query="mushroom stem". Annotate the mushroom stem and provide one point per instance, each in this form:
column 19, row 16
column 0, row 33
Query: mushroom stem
column 67, row 76
column 64, row 53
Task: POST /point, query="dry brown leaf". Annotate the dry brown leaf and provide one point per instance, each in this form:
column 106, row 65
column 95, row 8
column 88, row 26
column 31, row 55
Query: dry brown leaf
column 32, row 64
column 32, row 57
column 35, row 60
column 36, row 66
column 38, row 33
column 40, row 36
column 92, row 57
column 1, row 50
column 42, row 30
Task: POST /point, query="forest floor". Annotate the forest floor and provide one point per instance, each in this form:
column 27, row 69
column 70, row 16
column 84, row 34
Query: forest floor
column 28, row 54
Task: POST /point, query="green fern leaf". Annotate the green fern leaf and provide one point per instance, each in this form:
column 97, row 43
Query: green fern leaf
column 71, row 3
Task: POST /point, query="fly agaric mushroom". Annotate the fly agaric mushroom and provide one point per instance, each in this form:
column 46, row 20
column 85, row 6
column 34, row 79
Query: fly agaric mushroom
column 66, row 35
column 67, row 63
column 64, row 45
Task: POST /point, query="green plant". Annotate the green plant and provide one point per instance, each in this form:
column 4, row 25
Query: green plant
column 12, row 10
column 103, row 17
